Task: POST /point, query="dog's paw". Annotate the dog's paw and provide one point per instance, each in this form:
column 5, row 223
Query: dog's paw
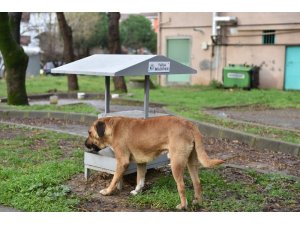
column 180, row 207
column 134, row 192
column 197, row 202
column 104, row 192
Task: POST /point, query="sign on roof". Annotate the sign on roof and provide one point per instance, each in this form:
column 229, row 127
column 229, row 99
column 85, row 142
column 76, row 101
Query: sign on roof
column 161, row 67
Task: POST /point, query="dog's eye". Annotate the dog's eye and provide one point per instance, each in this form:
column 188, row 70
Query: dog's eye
column 90, row 132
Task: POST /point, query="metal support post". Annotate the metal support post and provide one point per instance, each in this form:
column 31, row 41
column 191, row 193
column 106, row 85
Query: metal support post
column 146, row 96
column 107, row 94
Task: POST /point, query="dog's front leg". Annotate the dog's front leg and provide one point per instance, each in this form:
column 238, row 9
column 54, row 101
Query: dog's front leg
column 140, row 178
column 121, row 167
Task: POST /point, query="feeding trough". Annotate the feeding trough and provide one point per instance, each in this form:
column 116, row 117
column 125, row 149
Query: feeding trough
column 109, row 65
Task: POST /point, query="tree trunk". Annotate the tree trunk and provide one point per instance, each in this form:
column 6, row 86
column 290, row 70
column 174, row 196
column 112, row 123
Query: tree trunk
column 15, row 61
column 114, row 46
column 66, row 32
column 14, row 22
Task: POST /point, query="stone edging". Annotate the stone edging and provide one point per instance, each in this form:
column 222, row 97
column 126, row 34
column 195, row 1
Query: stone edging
column 206, row 128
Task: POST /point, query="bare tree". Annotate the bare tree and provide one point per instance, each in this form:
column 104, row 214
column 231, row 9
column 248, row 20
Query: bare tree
column 66, row 33
column 15, row 59
column 85, row 26
column 114, row 46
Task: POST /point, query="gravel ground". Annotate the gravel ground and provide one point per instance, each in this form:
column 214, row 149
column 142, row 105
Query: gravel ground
column 284, row 118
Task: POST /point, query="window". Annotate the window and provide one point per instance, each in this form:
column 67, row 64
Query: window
column 268, row 37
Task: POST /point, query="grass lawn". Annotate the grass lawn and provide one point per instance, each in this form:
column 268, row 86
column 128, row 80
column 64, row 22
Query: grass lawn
column 42, row 84
column 34, row 165
column 185, row 101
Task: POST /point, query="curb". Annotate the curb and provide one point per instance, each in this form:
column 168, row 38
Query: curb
column 254, row 141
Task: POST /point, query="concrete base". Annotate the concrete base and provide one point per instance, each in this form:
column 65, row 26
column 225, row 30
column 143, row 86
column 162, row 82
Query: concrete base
column 105, row 161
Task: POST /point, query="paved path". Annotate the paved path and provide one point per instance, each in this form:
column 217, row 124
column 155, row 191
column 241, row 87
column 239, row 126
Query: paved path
column 288, row 119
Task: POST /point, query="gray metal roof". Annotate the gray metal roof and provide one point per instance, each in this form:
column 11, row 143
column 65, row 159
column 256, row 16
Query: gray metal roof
column 124, row 65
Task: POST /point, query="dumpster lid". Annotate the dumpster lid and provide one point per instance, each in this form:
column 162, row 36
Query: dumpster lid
column 238, row 68
column 124, row 65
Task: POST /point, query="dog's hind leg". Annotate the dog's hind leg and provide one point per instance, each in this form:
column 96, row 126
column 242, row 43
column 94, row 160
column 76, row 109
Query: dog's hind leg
column 122, row 164
column 140, row 178
column 193, row 167
column 177, row 166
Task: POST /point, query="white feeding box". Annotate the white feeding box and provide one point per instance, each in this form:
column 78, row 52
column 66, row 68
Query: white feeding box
column 109, row 65
column 105, row 161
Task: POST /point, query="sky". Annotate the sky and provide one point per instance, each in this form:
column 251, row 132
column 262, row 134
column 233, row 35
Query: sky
column 134, row 6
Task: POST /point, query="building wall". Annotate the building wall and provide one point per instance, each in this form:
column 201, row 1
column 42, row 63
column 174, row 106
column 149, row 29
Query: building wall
column 271, row 60
column 240, row 44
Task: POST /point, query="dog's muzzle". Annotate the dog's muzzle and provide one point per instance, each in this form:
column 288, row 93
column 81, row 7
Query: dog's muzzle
column 93, row 147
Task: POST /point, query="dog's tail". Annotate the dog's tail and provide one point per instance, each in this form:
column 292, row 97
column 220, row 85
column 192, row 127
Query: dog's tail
column 202, row 155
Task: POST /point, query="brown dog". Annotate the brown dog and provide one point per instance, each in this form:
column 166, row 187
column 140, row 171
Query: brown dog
column 142, row 140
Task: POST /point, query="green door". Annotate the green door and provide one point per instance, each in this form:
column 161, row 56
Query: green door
column 179, row 50
column 292, row 68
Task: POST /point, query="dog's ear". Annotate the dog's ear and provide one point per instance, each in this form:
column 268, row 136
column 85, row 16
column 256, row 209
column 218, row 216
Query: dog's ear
column 100, row 128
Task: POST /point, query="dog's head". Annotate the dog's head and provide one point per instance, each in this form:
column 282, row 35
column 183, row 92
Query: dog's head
column 98, row 135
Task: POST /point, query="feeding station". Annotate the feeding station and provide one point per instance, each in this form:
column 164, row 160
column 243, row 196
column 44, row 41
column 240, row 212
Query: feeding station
column 109, row 65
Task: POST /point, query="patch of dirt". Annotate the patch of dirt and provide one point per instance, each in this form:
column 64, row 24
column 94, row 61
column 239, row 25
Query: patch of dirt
column 238, row 153
column 68, row 146
column 8, row 133
column 236, row 175
column 73, row 127
column 41, row 122
column 118, row 202
column 285, row 118
column 38, row 144
column 278, row 205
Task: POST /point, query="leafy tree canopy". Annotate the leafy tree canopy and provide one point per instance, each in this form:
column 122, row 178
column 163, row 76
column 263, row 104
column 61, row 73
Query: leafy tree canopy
column 136, row 32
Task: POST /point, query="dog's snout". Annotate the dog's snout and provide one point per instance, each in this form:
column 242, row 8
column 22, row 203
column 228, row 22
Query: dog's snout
column 90, row 145
column 87, row 144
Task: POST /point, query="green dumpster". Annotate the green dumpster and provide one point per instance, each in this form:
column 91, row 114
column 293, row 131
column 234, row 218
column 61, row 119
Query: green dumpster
column 240, row 76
